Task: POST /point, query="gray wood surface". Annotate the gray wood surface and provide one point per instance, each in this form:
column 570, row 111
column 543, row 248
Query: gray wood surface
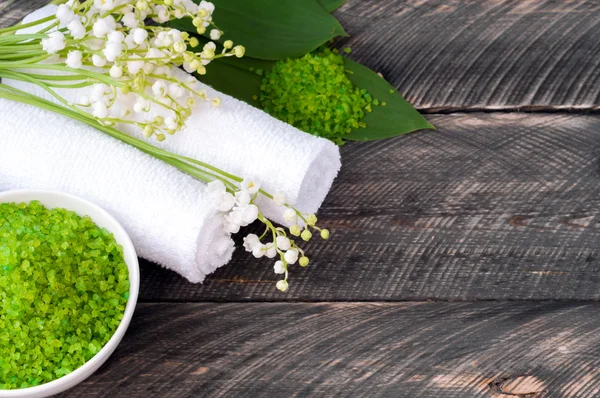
column 498, row 205
column 416, row 350
column 493, row 54
column 489, row 206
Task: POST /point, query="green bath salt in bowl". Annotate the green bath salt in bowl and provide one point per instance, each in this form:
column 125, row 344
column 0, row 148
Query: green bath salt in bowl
column 64, row 286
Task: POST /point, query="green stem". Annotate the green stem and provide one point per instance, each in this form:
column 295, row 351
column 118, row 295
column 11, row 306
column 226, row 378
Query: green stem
column 47, row 28
column 19, row 38
column 94, row 75
column 23, row 64
column 56, row 77
column 27, row 25
column 175, row 160
column 24, row 56
column 19, row 47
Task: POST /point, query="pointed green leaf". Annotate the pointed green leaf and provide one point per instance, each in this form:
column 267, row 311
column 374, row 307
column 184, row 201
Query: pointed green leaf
column 236, row 77
column 272, row 29
column 396, row 118
column 332, row 5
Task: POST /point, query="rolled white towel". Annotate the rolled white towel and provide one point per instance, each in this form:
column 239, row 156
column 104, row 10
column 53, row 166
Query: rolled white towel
column 241, row 140
column 171, row 218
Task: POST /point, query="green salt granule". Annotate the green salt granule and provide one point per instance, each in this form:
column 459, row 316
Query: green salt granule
column 314, row 94
column 63, row 289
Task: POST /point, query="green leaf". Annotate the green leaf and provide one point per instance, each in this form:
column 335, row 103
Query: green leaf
column 236, row 77
column 396, row 118
column 332, row 5
column 272, row 29
column 233, row 76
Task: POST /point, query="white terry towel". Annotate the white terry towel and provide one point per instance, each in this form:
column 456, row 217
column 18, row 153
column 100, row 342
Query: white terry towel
column 243, row 141
column 171, row 218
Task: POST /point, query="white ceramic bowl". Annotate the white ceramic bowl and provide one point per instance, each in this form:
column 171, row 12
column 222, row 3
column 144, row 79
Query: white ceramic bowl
column 82, row 207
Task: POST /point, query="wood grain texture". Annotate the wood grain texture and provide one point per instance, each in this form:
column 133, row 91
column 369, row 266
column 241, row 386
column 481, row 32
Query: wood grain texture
column 401, row 350
column 500, row 54
column 13, row 11
column 489, row 206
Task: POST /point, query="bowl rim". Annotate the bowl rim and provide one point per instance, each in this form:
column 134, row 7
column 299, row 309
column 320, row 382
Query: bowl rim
column 131, row 260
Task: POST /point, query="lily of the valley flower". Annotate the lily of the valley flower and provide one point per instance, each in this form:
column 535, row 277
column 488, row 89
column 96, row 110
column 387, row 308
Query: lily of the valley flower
column 237, row 202
column 108, row 42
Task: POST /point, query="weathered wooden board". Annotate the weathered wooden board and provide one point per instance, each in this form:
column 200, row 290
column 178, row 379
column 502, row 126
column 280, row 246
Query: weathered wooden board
column 400, row 350
column 12, row 11
column 481, row 53
column 489, row 206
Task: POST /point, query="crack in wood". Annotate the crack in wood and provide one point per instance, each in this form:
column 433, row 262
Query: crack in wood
column 501, row 385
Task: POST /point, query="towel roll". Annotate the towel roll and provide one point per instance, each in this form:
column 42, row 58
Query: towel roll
column 171, row 218
column 241, row 140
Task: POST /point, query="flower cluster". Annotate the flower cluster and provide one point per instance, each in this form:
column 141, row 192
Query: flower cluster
column 108, row 44
column 238, row 204
column 128, row 68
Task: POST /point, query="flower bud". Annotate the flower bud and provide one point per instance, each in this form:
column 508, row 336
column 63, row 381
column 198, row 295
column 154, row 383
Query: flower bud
column 279, row 267
column 194, row 65
column 291, row 256
column 160, row 137
column 282, row 285
column 198, row 22
column 239, row 51
column 148, row 131
column 116, row 71
column 295, row 230
column 303, row 261
column 325, row 234
column 306, row 235
column 215, row 34
column 271, row 252
column 98, row 60
column 201, row 30
column 194, row 42
column 283, row 243
column 228, row 44
column 179, row 47
column 141, row 5
column 311, row 219
column 289, row 215
column 258, row 251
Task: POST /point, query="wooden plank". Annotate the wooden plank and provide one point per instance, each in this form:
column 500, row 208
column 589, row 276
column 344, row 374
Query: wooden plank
column 489, row 206
column 444, row 55
column 13, row 11
column 412, row 350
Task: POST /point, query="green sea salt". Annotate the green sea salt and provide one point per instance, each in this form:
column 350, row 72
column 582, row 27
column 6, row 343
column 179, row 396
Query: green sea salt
column 63, row 290
column 314, row 94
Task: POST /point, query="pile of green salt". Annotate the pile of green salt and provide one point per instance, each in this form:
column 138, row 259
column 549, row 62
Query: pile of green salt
column 314, row 94
column 64, row 286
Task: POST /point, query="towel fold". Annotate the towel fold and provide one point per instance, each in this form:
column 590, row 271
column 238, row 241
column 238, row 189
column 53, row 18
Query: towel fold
column 171, row 218
column 241, row 140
